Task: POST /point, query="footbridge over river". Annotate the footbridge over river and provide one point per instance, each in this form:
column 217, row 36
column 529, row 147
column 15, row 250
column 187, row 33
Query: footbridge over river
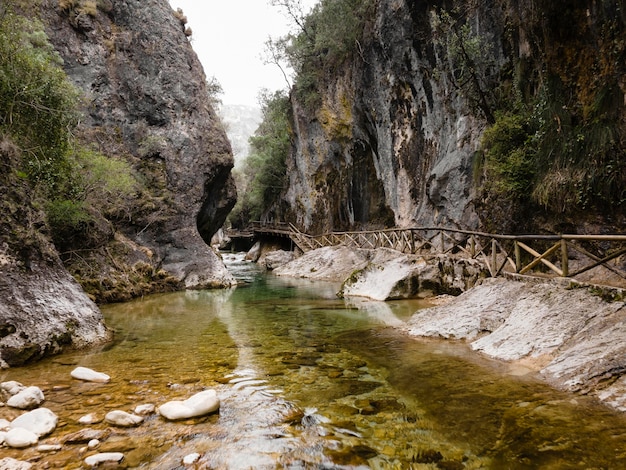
column 569, row 256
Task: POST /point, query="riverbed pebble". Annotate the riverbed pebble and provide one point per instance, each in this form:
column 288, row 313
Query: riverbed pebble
column 92, row 444
column 90, row 418
column 144, row 410
column 4, row 424
column 122, row 418
column 104, row 457
column 191, row 458
column 19, row 438
column 41, row 421
column 9, row 463
column 27, row 399
column 89, row 375
column 200, row 404
column 44, row 448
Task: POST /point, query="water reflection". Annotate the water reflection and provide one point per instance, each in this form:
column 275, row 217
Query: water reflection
column 308, row 380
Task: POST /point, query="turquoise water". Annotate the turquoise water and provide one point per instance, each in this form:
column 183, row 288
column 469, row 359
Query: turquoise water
column 308, row 380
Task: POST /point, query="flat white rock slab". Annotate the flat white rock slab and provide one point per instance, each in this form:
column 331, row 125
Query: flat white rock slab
column 89, row 375
column 104, row 457
column 200, row 404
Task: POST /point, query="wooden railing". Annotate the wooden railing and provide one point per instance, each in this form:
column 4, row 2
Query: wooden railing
column 520, row 254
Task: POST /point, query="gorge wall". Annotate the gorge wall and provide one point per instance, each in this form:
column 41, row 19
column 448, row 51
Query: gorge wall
column 144, row 102
column 396, row 136
column 147, row 102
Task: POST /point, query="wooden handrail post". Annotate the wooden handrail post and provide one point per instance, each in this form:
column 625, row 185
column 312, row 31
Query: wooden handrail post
column 564, row 259
column 494, row 257
column 518, row 257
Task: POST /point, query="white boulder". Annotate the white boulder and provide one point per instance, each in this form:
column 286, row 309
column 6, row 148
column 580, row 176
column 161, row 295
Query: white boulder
column 4, row 424
column 41, row 421
column 11, row 387
column 9, row 463
column 19, row 438
column 190, row 459
column 122, row 418
column 90, row 418
column 89, row 375
column 104, row 457
column 27, row 398
column 200, row 404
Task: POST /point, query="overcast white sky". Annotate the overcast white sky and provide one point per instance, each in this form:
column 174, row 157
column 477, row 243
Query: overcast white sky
column 229, row 38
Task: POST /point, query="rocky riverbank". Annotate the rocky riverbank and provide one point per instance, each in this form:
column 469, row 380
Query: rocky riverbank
column 570, row 333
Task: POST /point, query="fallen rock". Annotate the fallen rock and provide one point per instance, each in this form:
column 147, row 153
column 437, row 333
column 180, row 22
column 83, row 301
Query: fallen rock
column 104, row 457
column 41, row 421
column 12, row 464
column 199, row 404
column 89, row 375
column 19, row 438
column 122, row 418
column 27, row 399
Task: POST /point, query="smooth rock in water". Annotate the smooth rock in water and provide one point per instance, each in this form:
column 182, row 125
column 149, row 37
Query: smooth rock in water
column 92, row 444
column 2, row 434
column 19, row 438
column 89, row 375
column 27, row 399
column 90, row 418
column 145, row 410
column 191, row 458
column 199, row 404
column 4, row 425
column 11, row 387
column 49, row 447
column 41, row 421
column 11, row 464
column 122, row 418
column 104, row 457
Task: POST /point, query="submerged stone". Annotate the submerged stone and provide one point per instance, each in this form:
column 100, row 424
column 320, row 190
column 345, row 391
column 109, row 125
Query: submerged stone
column 41, row 421
column 26, row 399
column 104, row 457
column 199, row 404
column 89, row 375
column 122, row 418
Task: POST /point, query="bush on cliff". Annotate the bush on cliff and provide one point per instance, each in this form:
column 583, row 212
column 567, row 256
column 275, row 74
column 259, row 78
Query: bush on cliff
column 264, row 172
column 75, row 186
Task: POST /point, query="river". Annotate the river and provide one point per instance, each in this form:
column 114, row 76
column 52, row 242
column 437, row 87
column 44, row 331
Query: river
column 307, row 380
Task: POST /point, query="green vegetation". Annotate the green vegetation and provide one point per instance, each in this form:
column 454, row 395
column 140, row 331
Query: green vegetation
column 556, row 138
column 264, row 173
column 327, row 37
column 76, row 187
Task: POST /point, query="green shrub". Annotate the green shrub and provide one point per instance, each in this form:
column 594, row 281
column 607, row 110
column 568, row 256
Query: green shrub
column 264, row 173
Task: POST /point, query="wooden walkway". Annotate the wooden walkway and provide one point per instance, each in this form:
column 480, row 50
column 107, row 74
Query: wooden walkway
column 545, row 255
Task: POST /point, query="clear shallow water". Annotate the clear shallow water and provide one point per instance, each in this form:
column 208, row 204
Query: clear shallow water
column 310, row 381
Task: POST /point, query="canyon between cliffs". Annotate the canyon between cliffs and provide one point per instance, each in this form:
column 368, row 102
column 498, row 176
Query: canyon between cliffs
column 393, row 142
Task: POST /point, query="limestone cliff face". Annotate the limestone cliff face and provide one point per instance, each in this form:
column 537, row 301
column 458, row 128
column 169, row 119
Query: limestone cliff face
column 147, row 102
column 42, row 308
column 395, row 137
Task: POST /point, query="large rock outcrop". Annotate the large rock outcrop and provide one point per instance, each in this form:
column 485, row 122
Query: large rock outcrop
column 42, row 308
column 395, row 136
column 148, row 103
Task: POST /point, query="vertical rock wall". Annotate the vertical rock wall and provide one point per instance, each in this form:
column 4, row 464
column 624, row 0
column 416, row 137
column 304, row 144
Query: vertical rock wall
column 148, row 103
column 395, row 138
